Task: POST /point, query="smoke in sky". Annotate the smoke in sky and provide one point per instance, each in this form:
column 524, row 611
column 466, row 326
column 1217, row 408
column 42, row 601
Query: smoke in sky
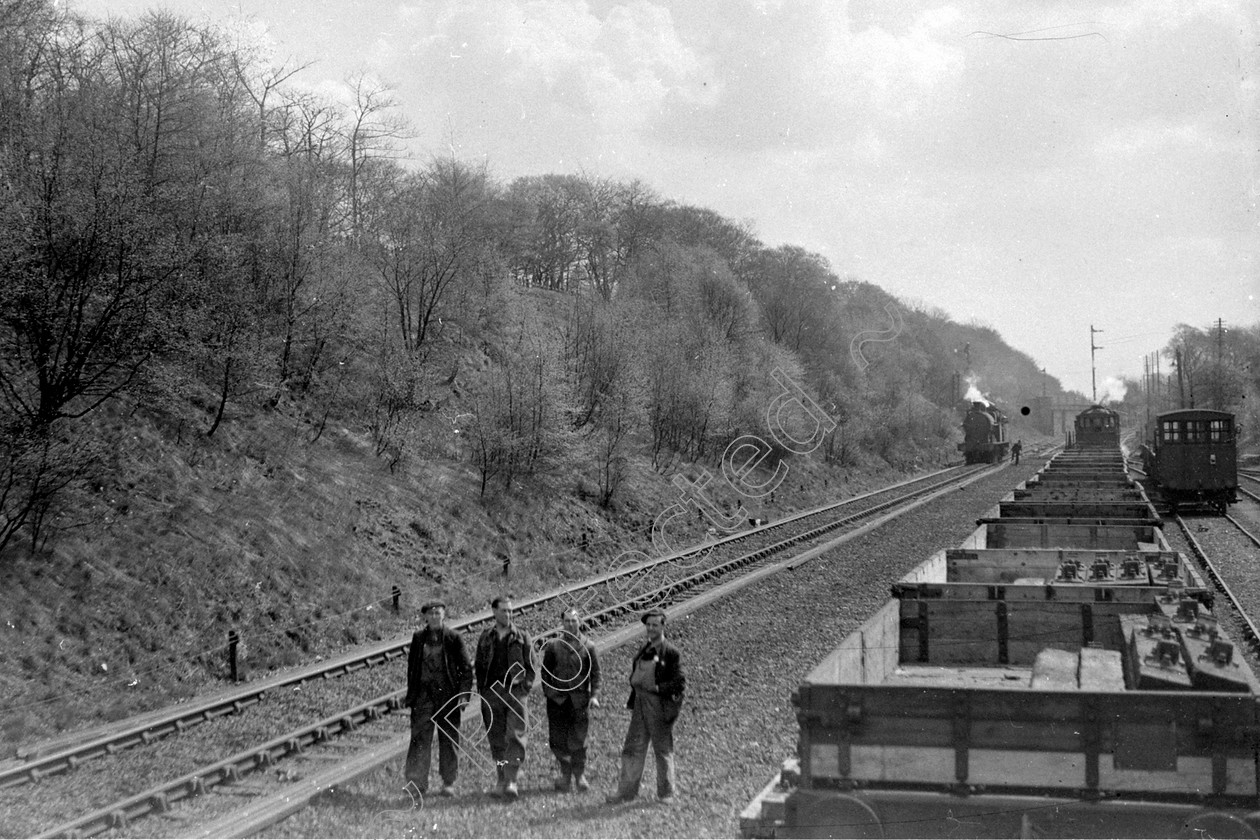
column 1112, row 389
column 973, row 392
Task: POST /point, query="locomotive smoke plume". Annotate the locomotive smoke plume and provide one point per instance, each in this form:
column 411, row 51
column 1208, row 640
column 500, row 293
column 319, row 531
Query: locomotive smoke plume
column 1113, row 388
column 973, row 393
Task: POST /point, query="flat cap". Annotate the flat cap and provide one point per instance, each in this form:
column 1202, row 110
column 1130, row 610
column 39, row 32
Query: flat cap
column 650, row 613
column 432, row 605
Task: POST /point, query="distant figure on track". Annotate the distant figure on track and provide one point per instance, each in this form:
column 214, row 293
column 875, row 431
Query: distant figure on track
column 656, row 691
column 505, row 674
column 437, row 672
column 1016, row 448
column 571, row 679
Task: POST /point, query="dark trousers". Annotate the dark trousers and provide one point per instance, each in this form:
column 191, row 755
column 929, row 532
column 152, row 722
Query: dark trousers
column 647, row 725
column 568, row 721
column 423, row 724
column 505, row 716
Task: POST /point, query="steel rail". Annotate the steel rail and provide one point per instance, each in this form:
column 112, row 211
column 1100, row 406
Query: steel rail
column 256, row 817
column 1243, row 528
column 1253, row 635
column 120, row 814
column 149, row 727
column 181, row 718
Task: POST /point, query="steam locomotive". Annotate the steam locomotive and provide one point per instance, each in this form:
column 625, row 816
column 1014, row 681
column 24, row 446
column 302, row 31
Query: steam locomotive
column 984, row 435
column 1098, row 426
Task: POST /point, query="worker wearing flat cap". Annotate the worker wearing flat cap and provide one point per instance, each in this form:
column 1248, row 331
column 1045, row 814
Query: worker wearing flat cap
column 438, row 672
column 656, row 692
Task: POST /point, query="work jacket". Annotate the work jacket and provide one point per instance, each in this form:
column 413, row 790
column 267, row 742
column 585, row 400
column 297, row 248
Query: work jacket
column 571, row 671
column 670, row 680
column 518, row 679
column 454, row 660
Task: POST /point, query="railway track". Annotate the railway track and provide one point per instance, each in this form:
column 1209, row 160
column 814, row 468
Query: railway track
column 682, row 577
column 71, row 752
column 1255, row 480
column 1218, row 576
column 1245, row 627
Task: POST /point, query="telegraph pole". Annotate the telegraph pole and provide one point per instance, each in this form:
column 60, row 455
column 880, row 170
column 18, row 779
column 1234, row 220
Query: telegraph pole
column 1093, row 371
column 1218, row 390
column 1181, row 387
column 1159, row 385
column 1146, row 386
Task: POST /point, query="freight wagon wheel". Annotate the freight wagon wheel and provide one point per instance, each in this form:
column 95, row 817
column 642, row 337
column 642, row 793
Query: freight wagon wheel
column 1215, row 824
column 836, row 815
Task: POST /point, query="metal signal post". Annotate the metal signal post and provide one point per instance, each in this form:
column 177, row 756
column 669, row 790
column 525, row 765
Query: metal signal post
column 1093, row 371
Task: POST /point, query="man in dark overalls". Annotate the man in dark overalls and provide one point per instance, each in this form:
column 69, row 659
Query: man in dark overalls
column 571, row 680
column 505, row 674
column 437, row 672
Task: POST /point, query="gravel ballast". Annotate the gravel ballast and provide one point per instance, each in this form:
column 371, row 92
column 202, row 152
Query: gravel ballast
column 743, row 655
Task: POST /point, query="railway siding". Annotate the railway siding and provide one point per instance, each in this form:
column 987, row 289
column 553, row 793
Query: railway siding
column 743, row 655
column 1061, row 674
column 121, row 792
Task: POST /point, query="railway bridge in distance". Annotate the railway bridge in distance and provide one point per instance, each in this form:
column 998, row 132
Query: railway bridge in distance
column 1053, row 417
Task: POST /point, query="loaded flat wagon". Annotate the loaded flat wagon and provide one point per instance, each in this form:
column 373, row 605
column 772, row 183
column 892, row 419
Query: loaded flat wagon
column 1104, row 534
column 1071, row 575
column 1094, row 509
column 1073, row 494
column 1072, row 682
column 1005, row 719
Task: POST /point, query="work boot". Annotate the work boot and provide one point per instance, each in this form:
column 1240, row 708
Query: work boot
column 510, row 792
column 563, row 783
column 498, row 784
column 579, row 781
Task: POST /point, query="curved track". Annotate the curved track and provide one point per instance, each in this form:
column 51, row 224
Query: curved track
column 1251, row 635
column 682, row 575
column 65, row 754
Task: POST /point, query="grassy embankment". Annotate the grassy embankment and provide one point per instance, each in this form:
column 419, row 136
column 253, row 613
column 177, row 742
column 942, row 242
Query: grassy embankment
column 295, row 544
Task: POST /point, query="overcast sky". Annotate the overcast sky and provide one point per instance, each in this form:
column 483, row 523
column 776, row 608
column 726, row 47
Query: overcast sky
column 1036, row 165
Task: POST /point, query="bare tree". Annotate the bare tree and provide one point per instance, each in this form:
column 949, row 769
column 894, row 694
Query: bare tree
column 544, row 246
column 371, row 132
column 792, row 285
column 435, row 231
column 519, row 425
column 618, row 220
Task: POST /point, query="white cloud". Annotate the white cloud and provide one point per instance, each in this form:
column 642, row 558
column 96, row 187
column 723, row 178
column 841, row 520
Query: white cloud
column 1019, row 179
column 906, row 71
column 558, row 56
column 1152, row 135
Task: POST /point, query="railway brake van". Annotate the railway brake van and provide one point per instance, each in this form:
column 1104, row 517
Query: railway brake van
column 1193, row 458
column 1059, row 674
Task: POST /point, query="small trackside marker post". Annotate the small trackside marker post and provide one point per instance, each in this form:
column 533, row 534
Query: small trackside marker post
column 234, row 640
